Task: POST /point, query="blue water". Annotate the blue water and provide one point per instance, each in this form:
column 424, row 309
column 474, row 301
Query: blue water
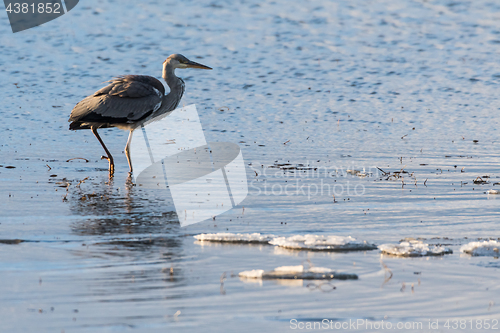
column 334, row 86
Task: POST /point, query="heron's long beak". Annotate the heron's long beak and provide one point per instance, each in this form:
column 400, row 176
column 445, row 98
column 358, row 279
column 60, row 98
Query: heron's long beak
column 192, row 64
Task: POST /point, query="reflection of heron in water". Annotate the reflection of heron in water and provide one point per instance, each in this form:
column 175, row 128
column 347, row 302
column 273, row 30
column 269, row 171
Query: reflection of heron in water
column 107, row 210
column 129, row 101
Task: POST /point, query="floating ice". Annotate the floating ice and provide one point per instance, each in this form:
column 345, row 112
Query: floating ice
column 320, row 270
column 253, row 274
column 322, row 243
column 297, row 242
column 297, row 272
column 485, row 248
column 288, row 269
column 226, row 237
column 414, row 248
column 493, row 192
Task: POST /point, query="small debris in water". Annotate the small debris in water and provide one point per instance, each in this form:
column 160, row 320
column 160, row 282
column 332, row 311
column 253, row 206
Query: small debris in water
column 288, row 167
column 414, row 248
column 357, row 173
column 78, row 158
column 81, row 181
column 11, row 241
column 398, row 175
column 485, row 248
column 480, row 180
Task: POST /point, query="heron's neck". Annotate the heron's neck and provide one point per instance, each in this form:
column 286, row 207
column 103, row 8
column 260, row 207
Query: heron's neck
column 169, row 77
column 176, row 85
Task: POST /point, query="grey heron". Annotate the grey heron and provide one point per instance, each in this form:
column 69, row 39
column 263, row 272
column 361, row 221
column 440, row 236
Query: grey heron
column 129, row 101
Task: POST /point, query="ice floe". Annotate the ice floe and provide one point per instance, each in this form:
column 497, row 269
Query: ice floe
column 253, row 274
column 484, row 248
column 414, row 248
column 322, row 243
column 297, row 242
column 226, row 237
column 299, row 273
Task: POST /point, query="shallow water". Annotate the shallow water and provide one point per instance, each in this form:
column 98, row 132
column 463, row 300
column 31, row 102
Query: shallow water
column 352, row 85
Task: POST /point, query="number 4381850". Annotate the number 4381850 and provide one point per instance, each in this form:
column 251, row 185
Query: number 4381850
column 41, row 8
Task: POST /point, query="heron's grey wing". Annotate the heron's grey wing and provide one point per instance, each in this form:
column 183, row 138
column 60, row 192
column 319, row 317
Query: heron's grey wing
column 122, row 101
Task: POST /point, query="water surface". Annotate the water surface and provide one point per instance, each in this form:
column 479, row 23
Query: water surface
column 319, row 85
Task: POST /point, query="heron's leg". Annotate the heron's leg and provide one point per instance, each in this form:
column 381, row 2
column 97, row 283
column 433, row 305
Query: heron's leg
column 109, row 158
column 127, row 151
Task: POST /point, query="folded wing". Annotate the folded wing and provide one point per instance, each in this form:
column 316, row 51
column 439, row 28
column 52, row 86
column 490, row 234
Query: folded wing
column 126, row 100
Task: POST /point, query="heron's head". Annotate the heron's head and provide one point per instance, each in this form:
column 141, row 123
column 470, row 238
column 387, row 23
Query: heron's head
column 180, row 61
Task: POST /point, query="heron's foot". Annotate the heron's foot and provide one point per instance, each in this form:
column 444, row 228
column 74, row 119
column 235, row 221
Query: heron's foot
column 111, row 165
